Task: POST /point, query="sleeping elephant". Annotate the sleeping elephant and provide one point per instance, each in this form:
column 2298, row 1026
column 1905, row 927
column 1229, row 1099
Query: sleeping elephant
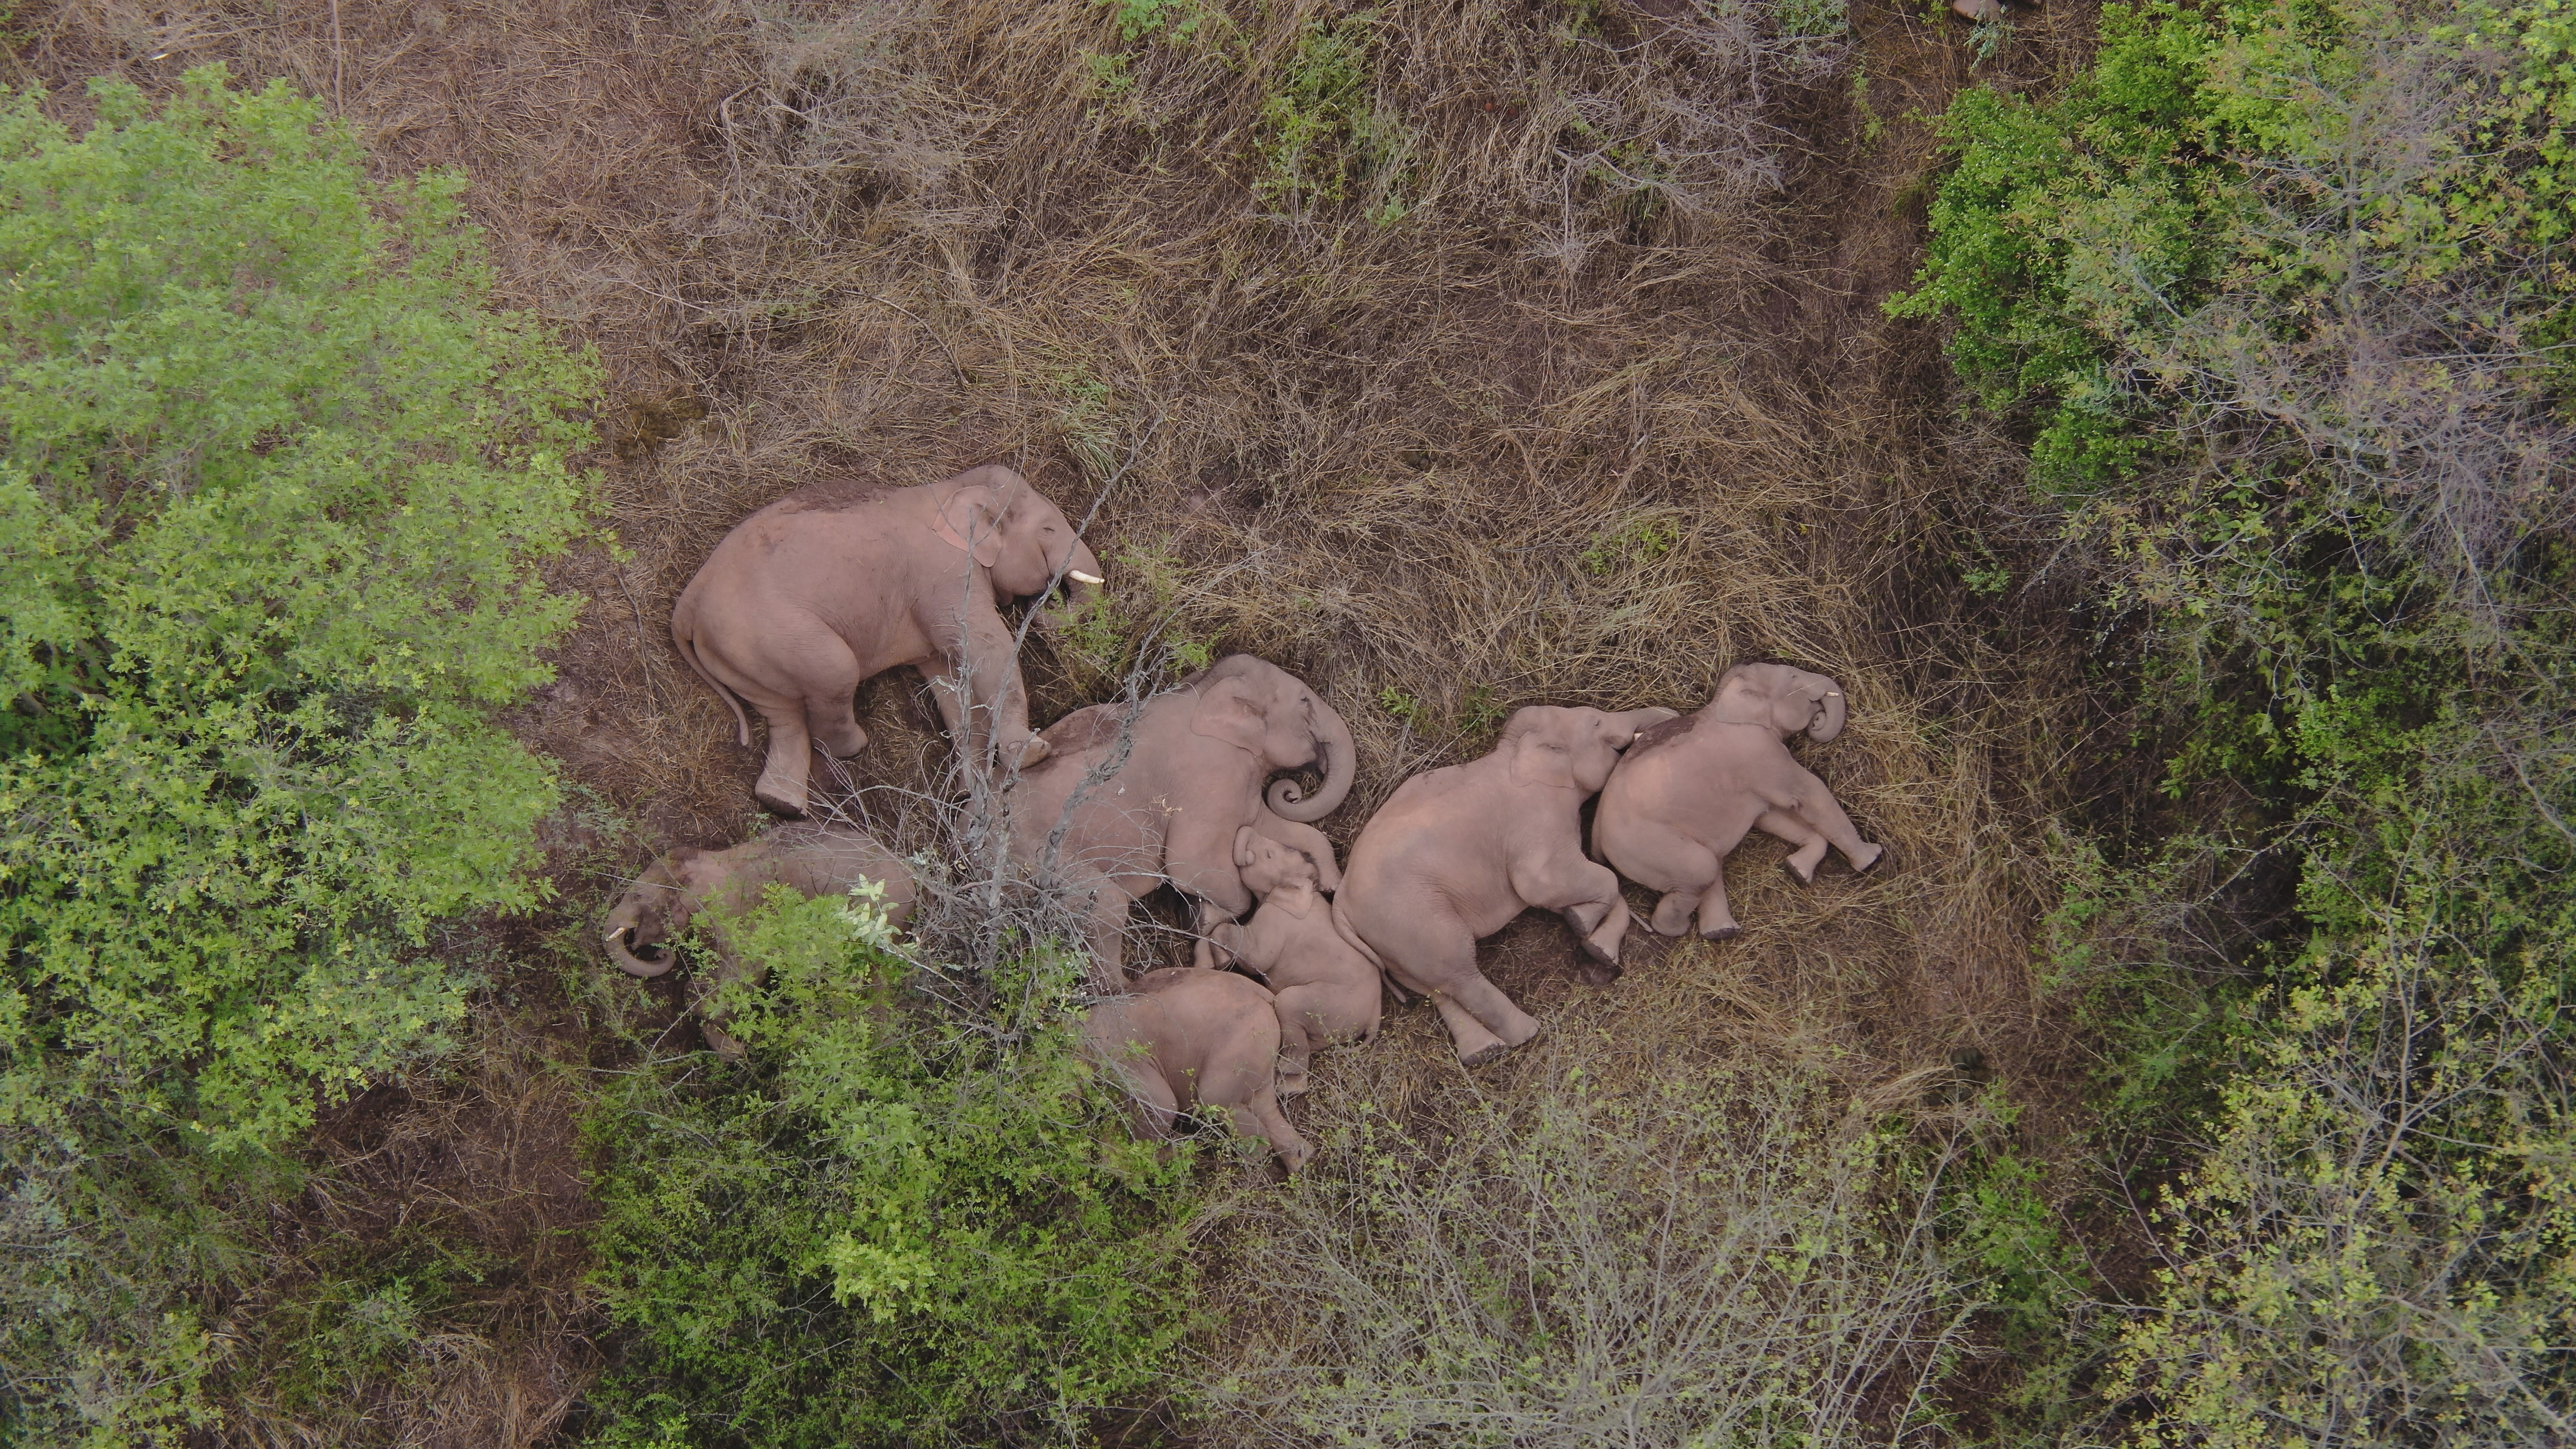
column 720, row 886
column 1186, row 1038
column 1327, row 989
column 1180, row 773
column 1456, row 853
column 1684, row 797
column 818, row 591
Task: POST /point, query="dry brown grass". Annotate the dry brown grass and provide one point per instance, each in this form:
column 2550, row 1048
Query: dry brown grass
column 1609, row 408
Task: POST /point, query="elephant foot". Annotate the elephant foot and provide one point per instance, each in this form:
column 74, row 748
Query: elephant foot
column 1483, row 1054
column 778, row 801
column 1032, row 751
column 1805, row 877
column 721, row 1042
column 842, row 744
column 1727, row 932
column 1877, row 854
column 1294, row 1084
column 1596, row 974
column 1977, row 9
column 1673, row 913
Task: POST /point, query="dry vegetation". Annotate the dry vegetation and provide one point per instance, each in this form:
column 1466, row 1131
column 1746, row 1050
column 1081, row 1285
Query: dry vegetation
column 1540, row 361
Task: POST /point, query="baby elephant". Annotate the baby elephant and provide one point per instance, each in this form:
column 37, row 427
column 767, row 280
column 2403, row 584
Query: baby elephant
column 1327, row 991
column 719, row 886
column 1458, row 852
column 1684, row 797
column 1197, row 1038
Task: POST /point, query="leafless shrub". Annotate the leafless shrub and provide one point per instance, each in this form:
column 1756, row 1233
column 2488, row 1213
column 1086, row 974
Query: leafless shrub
column 1711, row 1257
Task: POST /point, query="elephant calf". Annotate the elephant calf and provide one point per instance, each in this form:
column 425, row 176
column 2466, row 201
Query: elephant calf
column 1685, row 796
column 1189, row 1038
column 815, row 593
column 720, row 886
column 1327, row 991
column 1458, row 852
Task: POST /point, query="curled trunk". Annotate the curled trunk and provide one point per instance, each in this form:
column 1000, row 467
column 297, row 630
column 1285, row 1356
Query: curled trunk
column 627, row 961
column 1340, row 766
column 1831, row 725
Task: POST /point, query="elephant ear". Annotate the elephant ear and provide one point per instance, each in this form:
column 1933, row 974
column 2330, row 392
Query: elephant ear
column 974, row 512
column 1229, row 710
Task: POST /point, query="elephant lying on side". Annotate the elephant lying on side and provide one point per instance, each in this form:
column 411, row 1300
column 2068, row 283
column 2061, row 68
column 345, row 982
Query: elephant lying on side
column 1177, row 787
column 1189, row 1038
column 1327, row 991
column 717, row 887
column 816, row 592
column 1684, row 797
column 1458, row 852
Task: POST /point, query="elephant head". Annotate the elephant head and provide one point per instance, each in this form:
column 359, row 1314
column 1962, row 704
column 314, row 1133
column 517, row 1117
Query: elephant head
column 1550, row 745
column 1783, row 698
column 656, row 908
column 1023, row 541
column 1257, row 706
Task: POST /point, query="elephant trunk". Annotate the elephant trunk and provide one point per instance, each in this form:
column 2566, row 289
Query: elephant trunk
column 1333, row 754
column 1823, row 730
column 621, row 931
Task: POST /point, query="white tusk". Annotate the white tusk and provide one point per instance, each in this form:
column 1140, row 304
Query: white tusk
column 1079, row 577
column 615, row 936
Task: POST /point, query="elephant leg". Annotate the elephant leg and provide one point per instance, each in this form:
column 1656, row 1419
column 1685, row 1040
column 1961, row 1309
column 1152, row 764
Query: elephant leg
column 1716, row 921
column 1472, row 1040
column 1262, row 1117
column 1104, row 931
column 1585, row 892
column 1157, row 1109
column 986, row 676
column 829, row 675
column 1690, row 867
column 782, row 781
column 1504, row 1021
column 1810, row 843
column 1297, row 1041
column 1817, row 807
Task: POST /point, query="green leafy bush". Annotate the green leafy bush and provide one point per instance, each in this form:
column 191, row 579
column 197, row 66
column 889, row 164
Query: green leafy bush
column 909, row 1219
column 2280, row 290
column 275, row 486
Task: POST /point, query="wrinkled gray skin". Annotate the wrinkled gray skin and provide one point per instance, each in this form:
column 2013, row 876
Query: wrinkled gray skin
column 1687, row 793
column 715, row 887
column 1327, row 991
column 1188, row 1038
column 1456, row 853
column 818, row 591
column 1192, row 776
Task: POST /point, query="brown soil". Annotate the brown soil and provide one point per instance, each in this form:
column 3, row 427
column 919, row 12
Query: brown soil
column 1412, row 458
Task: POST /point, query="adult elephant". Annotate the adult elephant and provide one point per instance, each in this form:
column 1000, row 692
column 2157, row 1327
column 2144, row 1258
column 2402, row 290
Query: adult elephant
column 1129, row 796
column 1456, row 853
column 1684, row 797
column 818, row 591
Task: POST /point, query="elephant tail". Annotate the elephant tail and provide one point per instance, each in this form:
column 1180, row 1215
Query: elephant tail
column 688, row 647
column 1351, row 935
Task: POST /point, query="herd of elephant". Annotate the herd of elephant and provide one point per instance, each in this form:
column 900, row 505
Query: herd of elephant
column 820, row 590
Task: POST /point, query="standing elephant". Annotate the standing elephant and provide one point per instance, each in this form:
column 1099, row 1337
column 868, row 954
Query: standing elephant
column 1180, row 774
column 721, row 886
column 1458, row 852
column 1188, row 1038
column 1327, row 988
column 1683, row 799
column 817, row 592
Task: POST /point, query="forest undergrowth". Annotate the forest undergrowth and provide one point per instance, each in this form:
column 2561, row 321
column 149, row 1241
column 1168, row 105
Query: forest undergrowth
column 2195, row 1077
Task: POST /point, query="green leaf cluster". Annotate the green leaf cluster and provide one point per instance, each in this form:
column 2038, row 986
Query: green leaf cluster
column 2278, row 290
column 907, row 1219
column 276, row 488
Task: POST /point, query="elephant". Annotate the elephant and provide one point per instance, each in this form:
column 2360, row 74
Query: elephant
column 1326, row 988
column 822, row 589
column 1685, row 795
column 1187, row 1038
column 1456, row 853
column 1179, row 775
column 718, row 887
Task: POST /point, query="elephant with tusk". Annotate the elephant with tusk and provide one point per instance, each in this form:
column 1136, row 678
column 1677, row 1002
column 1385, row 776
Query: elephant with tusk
column 1688, row 792
column 1129, row 796
column 819, row 591
column 717, row 887
column 1455, row 854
